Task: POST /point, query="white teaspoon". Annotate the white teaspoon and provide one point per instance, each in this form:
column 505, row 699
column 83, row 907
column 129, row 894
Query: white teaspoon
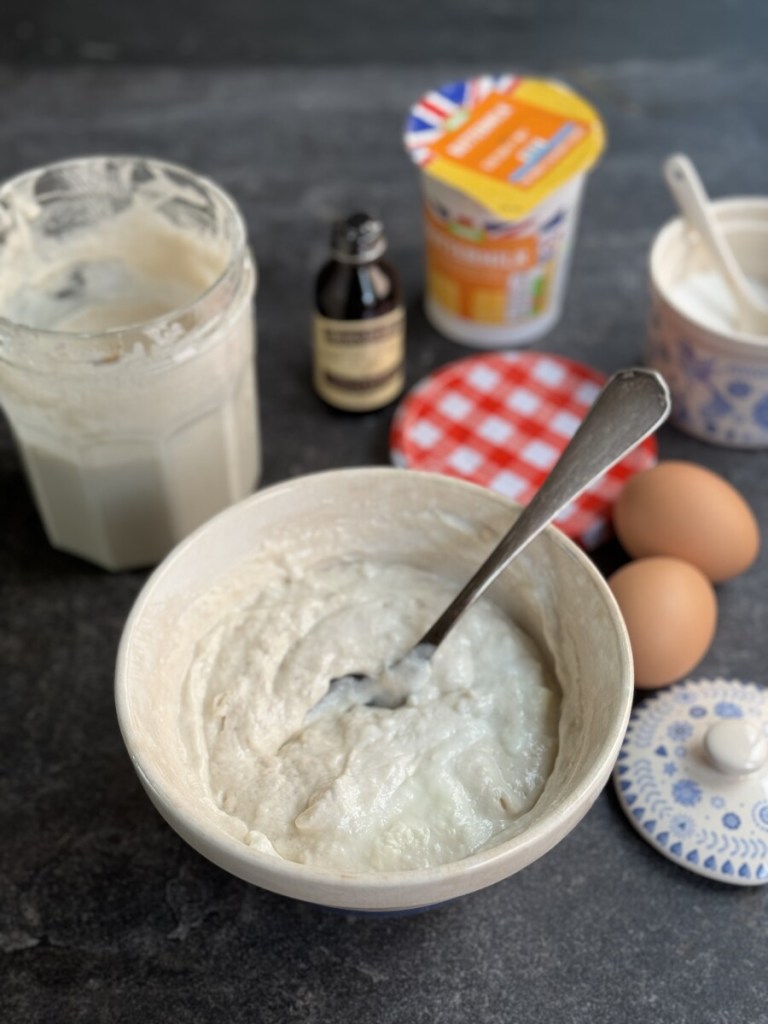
column 689, row 193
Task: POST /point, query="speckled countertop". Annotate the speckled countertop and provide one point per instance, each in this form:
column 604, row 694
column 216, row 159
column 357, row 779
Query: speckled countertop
column 105, row 915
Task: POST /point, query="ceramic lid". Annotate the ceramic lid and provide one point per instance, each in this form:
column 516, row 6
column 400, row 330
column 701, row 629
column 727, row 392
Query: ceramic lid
column 502, row 420
column 692, row 777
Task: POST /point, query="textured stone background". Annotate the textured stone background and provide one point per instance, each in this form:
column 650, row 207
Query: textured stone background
column 105, row 915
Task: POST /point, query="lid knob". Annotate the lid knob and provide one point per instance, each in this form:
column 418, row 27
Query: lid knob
column 736, row 747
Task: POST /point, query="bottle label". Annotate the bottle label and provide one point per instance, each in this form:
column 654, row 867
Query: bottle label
column 358, row 364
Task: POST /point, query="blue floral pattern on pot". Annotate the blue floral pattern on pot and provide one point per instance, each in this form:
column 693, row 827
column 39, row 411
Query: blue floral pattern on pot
column 708, row 822
column 716, row 397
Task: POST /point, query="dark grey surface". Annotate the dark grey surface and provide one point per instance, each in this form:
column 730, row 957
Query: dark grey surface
column 105, row 915
column 542, row 33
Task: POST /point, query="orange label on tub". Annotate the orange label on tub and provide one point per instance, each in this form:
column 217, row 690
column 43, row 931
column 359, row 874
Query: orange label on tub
column 493, row 281
column 512, row 140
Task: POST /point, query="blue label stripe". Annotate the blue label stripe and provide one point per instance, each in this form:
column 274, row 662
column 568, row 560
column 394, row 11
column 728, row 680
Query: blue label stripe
column 545, row 150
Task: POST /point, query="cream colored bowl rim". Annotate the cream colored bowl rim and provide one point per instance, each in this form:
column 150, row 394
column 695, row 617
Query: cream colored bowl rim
column 384, row 888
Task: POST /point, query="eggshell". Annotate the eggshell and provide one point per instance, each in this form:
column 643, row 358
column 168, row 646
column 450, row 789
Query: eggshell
column 687, row 511
column 670, row 611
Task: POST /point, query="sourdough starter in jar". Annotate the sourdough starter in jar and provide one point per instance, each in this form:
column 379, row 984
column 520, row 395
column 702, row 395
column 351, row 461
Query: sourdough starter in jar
column 127, row 353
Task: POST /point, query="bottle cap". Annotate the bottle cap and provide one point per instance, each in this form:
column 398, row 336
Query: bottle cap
column 358, row 238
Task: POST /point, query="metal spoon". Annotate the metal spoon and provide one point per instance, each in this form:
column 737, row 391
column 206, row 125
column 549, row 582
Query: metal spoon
column 631, row 406
column 689, row 193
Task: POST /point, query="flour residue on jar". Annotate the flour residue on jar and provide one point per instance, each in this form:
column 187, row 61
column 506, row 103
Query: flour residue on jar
column 362, row 788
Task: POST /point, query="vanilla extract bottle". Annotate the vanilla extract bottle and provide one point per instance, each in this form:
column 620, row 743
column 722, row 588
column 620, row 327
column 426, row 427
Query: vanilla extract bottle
column 359, row 325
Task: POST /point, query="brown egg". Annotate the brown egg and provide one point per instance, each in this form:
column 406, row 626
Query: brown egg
column 686, row 511
column 670, row 611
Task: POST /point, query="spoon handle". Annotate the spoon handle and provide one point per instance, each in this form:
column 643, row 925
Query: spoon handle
column 631, row 406
column 687, row 188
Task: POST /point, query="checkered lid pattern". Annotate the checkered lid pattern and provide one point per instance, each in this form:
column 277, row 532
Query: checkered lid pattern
column 502, row 420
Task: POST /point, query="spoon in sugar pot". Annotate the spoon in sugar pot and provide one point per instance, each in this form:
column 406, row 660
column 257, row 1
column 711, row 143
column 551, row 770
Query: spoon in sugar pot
column 690, row 195
column 631, row 405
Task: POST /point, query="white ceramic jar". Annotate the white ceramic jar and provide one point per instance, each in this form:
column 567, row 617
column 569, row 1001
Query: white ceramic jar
column 127, row 352
column 718, row 375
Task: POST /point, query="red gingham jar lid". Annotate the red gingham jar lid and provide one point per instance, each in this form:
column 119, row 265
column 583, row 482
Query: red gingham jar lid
column 502, row 420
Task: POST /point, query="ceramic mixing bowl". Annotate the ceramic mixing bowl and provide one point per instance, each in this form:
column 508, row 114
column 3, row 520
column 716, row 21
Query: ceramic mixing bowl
column 717, row 374
column 552, row 590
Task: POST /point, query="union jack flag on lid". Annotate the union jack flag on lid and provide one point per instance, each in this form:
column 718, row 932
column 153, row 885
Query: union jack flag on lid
column 442, row 109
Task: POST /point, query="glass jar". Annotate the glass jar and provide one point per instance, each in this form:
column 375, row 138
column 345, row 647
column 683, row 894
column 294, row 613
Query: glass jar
column 127, row 352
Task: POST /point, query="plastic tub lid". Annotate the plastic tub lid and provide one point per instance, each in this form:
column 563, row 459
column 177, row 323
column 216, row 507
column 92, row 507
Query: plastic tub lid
column 505, row 141
column 501, row 420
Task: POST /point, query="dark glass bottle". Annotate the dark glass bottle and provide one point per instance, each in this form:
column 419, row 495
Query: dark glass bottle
column 359, row 329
